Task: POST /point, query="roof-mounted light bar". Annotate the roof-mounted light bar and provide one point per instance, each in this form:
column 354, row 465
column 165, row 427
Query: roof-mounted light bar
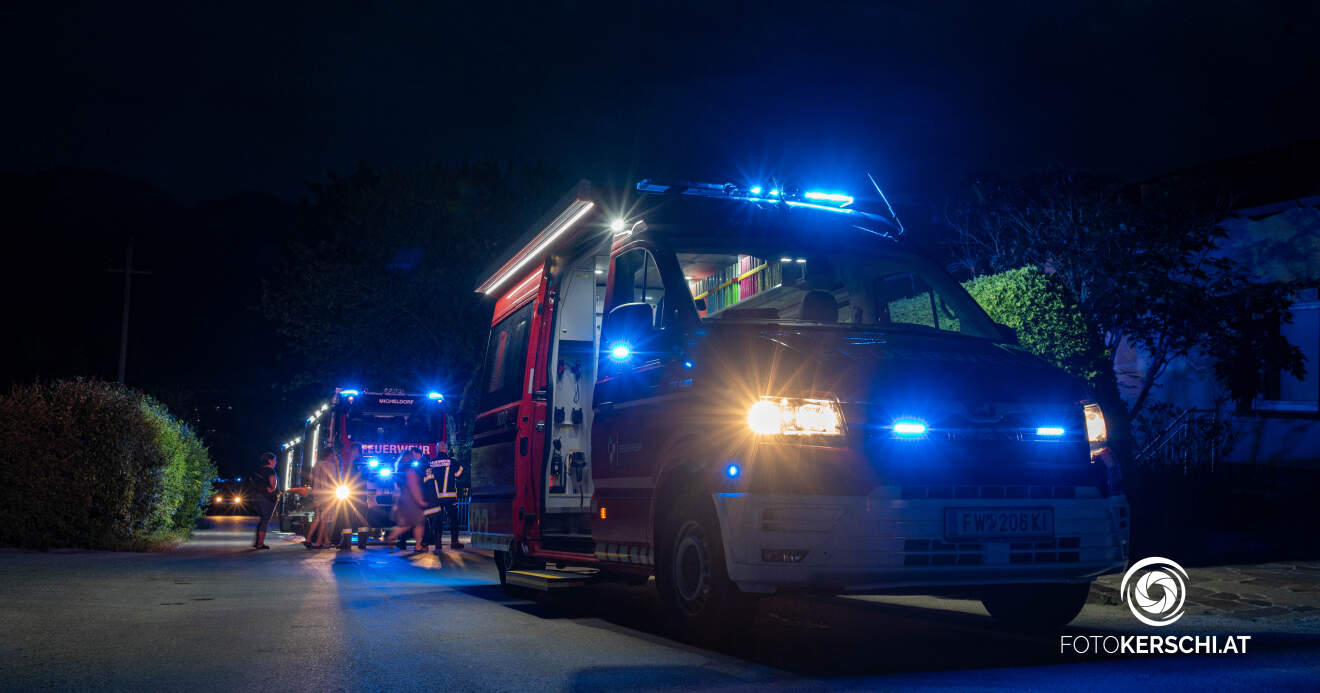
column 553, row 230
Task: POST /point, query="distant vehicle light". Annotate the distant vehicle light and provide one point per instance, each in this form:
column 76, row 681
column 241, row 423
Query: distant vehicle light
column 219, row 499
column 620, row 352
column 238, row 499
column 385, row 473
column 1052, row 431
column 373, row 462
column 732, row 471
column 341, row 492
column 617, row 225
column 908, row 428
column 436, row 396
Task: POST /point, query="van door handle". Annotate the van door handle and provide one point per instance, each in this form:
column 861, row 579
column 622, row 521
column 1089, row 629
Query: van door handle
column 522, row 445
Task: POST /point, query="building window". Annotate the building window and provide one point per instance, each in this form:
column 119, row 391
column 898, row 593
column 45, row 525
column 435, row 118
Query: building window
column 1283, row 392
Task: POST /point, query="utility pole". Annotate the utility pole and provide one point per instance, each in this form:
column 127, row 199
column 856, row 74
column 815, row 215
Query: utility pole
column 128, row 292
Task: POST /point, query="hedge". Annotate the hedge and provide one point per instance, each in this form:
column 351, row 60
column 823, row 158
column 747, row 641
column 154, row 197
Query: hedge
column 90, row 464
column 1047, row 322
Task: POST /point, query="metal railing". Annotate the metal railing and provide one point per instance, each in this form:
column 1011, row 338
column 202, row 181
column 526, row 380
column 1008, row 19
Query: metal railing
column 1194, row 441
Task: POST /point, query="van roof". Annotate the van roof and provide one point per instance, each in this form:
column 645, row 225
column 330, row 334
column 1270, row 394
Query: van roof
column 579, row 208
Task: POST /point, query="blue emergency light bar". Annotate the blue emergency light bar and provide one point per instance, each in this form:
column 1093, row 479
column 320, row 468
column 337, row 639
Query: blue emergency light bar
column 436, row 396
column 349, row 393
column 789, row 196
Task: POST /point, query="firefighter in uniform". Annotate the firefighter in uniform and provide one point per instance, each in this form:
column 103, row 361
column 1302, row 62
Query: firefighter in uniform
column 440, row 486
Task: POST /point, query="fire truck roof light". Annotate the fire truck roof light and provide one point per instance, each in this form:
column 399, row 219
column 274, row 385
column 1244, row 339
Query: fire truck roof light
column 755, row 190
column 385, row 472
column 827, row 208
column 373, row 463
column 620, row 352
column 1052, row 431
column 843, row 200
column 436, row 396
column 565, row 221
column 349, row 393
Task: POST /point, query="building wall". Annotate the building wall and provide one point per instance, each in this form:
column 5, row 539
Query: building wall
column 1278, row 242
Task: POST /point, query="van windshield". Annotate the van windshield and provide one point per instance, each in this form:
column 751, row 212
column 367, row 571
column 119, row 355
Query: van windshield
column 841, row 276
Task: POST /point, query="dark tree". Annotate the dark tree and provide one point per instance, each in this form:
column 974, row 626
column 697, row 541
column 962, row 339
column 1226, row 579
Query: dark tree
column 1142, row 265
column 378, row 289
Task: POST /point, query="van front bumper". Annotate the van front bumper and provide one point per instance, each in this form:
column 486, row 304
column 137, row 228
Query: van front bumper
column 885, row 541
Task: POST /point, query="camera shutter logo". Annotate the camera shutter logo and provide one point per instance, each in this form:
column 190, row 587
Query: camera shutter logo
column 1158, row 593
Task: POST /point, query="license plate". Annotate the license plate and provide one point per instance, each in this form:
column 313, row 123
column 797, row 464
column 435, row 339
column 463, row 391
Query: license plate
column 999, row 523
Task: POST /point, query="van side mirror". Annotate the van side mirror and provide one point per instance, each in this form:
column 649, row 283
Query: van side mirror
column 631, row 325
column 1007, row 334
column 700, row 305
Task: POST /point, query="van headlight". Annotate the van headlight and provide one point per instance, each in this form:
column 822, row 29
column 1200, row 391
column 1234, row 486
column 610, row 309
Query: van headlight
column 341, row 491
column 1096, row 431
column 795, row 416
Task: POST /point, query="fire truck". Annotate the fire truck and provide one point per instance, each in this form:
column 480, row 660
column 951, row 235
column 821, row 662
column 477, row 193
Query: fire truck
column 743, row 389
column 387, row 424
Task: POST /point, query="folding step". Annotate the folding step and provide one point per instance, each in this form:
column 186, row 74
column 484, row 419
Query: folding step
column 547, row 580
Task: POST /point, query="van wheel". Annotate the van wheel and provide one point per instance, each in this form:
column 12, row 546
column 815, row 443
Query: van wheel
column 701, row 603
column 1036, row 607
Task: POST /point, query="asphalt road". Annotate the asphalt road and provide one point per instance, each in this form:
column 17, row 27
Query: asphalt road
column 214, row 615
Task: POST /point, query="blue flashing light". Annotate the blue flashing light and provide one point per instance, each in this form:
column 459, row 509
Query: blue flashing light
column 774, row 192
column 373, row 462
column 238, row 479
column 1052, row 431
column 755, row 190
column 843, row 200
column 349, row 393
column 689, row 365
column 416, row 463
column 732, row 471
column 436, row 396
column 385, row 472
column 795, row 203
column 620, row 352
column 909, row 428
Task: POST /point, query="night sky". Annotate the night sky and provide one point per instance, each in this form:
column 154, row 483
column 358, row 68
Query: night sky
column 207, row 100
column 198, row 127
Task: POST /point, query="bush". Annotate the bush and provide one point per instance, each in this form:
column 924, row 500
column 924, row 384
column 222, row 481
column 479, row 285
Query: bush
column 1048, row 324
column 96, row 465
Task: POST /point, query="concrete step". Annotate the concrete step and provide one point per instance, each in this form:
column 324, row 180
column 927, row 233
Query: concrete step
column 547, row 580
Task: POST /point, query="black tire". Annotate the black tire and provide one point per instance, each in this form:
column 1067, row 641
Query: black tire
column 1036, row 607
column 701, row 604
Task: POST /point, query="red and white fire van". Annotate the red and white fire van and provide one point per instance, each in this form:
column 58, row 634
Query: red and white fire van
column 741, row 390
